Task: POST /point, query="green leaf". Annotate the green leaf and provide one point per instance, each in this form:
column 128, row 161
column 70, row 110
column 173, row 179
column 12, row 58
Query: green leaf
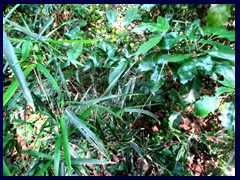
column 227, row 115
column 187, row 71
column 221, row 90
column 96, row 60
column 6, row 171
column 218, row 15
column 147, row 7
column 86, row 132
column 26, row 48
column 16, row 68
column 194, row 31
column 175, row 120
column 75, row 51
column 38, row 154
column 178, row 57
column 145, row 47
column 13, row 87
column 111, row 16
column 44, row 168
column 65, row 145
column 170, row 40
column 130, row 15
column 141, row 111
column 228, row 72
column 163, row 23
column 147, row 63
column 223, row 54
column 204, row 64
column 152, row 27
column 57, row 155
column 230, row 35
column 80, row 161
column 116, row 74
column 157, row 80
column 205, row 105
column 189, row 91
column 49, row 77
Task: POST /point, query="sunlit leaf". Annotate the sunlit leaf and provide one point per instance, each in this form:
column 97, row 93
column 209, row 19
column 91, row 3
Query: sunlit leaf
column 205, row 105
column 130, row 15
column 111, row 16
column 218, row 15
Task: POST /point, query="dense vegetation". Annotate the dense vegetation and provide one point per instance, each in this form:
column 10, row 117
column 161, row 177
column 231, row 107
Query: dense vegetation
column 119, row 90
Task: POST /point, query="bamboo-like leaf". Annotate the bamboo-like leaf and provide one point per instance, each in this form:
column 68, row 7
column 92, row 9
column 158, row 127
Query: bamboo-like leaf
column 57, row 155
column 145, row 47
column 49, row 77
column 16, row 68
column 38, row 154
column 86, row 132
column 6, row 171
column 65, row 145
column 13, row 87
column 46, row 25
column 80, row 161
column 11, row 11
column 142, row 112
column 44, row 168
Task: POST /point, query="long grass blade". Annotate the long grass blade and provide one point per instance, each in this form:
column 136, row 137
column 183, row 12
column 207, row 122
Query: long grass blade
column 86, row 132
column 65, row 145
column 57, row 155
column 142, row 112
column 46, row 25
column 13, row 87
column 81, row 161
column 49, row 77
column 15, row 66
column 11, row 11
column 38, row 154
column 44, row 168
column 6, row 171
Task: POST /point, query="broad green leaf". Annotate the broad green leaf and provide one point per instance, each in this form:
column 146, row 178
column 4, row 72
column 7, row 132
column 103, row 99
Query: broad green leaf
column 13, row 87
column 64, row 136
column 6, row 171
column 116, row 74
column 194, row 31
column 75, row 51
column 221, row 90
column 86, row 132
column 96, row 60
column 178, row 57
column 44, row 168
column 26, row 48
column 230, row 35
column 141, row 111
column 187, row 71
column 49, row 77
column 163, row 23
column 147, row 7
column 170, row 40
column 189, row 91
column 111, row 16
column 80, row 161
column 57, row 155
column 175, row 120
column 204, row 64
column 218, row 15
column 147, row 63
column 205, row 105
column 157, row 80
column 130, row 15
column 227, row 115
column 16, row 68
column 152, row 27
column 228, row 72
column 223, row 54
column 145, row 47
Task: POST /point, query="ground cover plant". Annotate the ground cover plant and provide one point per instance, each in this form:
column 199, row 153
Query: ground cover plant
column 119, row 90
